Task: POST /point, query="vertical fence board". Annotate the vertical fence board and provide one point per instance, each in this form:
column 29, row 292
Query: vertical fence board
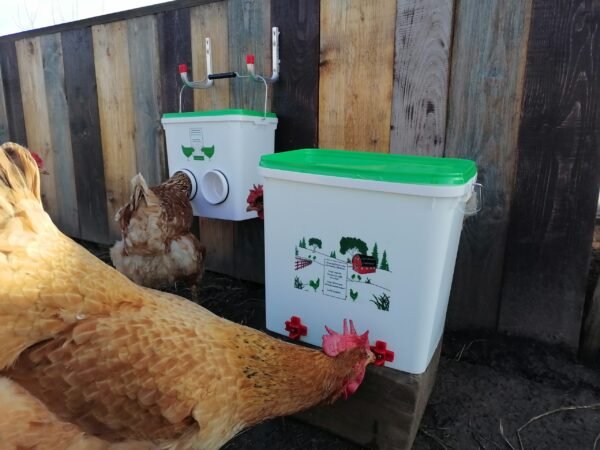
column 60, row 135
column 552, row 219
column 423, row 32
column 356, row 74
column 4, row 127
column 175, row 48
column 142, row 37
column 296, row 94
column 84, row 121
column 210, row 21
column 249, row 33
column 12, row 93
column 37, row 124
column 117, row 115
column 489, row 50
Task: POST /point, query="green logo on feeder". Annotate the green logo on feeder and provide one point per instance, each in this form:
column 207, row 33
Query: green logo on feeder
column 189, row 151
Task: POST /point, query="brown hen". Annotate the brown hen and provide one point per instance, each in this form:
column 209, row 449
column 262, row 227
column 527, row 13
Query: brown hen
column 157, row 247
column 91, row 355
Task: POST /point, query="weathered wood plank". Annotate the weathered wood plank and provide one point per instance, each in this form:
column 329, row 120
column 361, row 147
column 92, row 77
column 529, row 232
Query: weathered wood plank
column 175, row 48
column 249, row 250
column 296, row 94
column 84, row 122
column 423, row 31
column 552, row 219
column 356, row 75
column 4, row 127
column 117, row 115
column 37, row 124
column 142, row 36
column 385, row 412
column 488, row 62
column 60, row 135
column 12, row 93
column 210, row 21
column 249, row 33
column 590, row 339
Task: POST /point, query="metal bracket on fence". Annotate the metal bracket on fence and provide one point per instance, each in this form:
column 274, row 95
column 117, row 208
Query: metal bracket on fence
column 208, row 81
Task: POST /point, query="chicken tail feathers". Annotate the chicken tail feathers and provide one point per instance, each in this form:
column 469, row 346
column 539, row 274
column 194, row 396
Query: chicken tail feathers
column 19, row 179
column 139, row 192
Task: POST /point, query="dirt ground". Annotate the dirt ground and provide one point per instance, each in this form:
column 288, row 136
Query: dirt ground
column 485, row 384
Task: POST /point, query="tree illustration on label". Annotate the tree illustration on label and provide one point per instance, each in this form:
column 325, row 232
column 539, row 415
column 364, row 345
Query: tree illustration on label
column 384, row 262
column 375, row 254
column 315, row 243
column 208, row 151
column 352, row 245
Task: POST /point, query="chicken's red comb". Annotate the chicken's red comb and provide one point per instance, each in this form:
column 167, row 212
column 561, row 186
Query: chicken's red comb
column 334, row 343
column 255, row 192
column 38, row 159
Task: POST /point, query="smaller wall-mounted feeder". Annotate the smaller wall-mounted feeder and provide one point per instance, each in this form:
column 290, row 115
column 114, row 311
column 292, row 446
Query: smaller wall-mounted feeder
column 220, row 150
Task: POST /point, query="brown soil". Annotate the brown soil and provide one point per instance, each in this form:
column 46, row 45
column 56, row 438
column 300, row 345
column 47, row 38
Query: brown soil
column 483, row 382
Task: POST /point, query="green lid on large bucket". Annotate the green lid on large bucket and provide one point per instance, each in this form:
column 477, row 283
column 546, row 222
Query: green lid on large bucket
column 219, row 112
column 374, row 166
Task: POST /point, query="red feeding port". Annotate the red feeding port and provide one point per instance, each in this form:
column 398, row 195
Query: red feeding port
column 295, row 328
column 382, row 354
column 249, row 59
column 183, row 68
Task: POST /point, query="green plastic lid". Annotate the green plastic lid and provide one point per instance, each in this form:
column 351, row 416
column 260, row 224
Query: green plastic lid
column 374, row 166
column 219, row 112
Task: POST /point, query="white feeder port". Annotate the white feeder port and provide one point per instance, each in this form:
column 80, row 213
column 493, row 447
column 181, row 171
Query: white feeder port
column 221, row 149
column 364, row 236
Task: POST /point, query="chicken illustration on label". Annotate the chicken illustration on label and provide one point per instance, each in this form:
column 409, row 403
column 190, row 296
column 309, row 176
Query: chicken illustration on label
column 349, row 272
column 197, row 149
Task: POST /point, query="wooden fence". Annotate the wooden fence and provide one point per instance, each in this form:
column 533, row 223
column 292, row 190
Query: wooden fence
column 512, row 84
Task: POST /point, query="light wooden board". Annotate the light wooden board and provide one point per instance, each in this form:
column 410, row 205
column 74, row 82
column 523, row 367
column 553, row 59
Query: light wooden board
column 37, row 124
column 249, row 33
column 4, row 127
column 117, row 115
column 210, row 21
column 488, row 60
column 423, row 32
column 142, row 37
column 356, row 75
column 60, row 135
column 556, row 190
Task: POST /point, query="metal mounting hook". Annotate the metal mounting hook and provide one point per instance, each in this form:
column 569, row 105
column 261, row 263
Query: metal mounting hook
column 274, row 60
column 207, row 82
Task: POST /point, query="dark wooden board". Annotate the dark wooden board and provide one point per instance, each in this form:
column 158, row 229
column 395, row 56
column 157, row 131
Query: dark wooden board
column 80, row 89
column 552, row 218
column 175, row 47
column 488, row 60
column 12, row 92
column 385, row 412
column 4, row 129
column 296, row 94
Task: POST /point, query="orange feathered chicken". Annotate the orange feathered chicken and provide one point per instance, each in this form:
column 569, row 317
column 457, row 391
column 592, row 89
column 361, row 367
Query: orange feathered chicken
column 90, row 360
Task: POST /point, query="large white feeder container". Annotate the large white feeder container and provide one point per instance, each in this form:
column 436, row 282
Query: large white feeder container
column 220, row 151
column 363, row 236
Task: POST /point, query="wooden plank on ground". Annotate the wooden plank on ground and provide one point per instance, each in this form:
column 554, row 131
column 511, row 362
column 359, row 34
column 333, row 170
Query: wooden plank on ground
column 37, row 124
column 421, row 70
column 142, row 36
column 385, row 412
column 249, row 33
column 175, row 48
column 296, row 94
column 552, row 219
column 4, row 127
column 117, row 115
column 210, row 21
column 84, row 122
column 490, row 40
column 356, row 75
column 60, row 135
column 12, row 92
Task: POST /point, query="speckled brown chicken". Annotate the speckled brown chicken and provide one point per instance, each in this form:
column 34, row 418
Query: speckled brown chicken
column 89, row 359
column 157, row 247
